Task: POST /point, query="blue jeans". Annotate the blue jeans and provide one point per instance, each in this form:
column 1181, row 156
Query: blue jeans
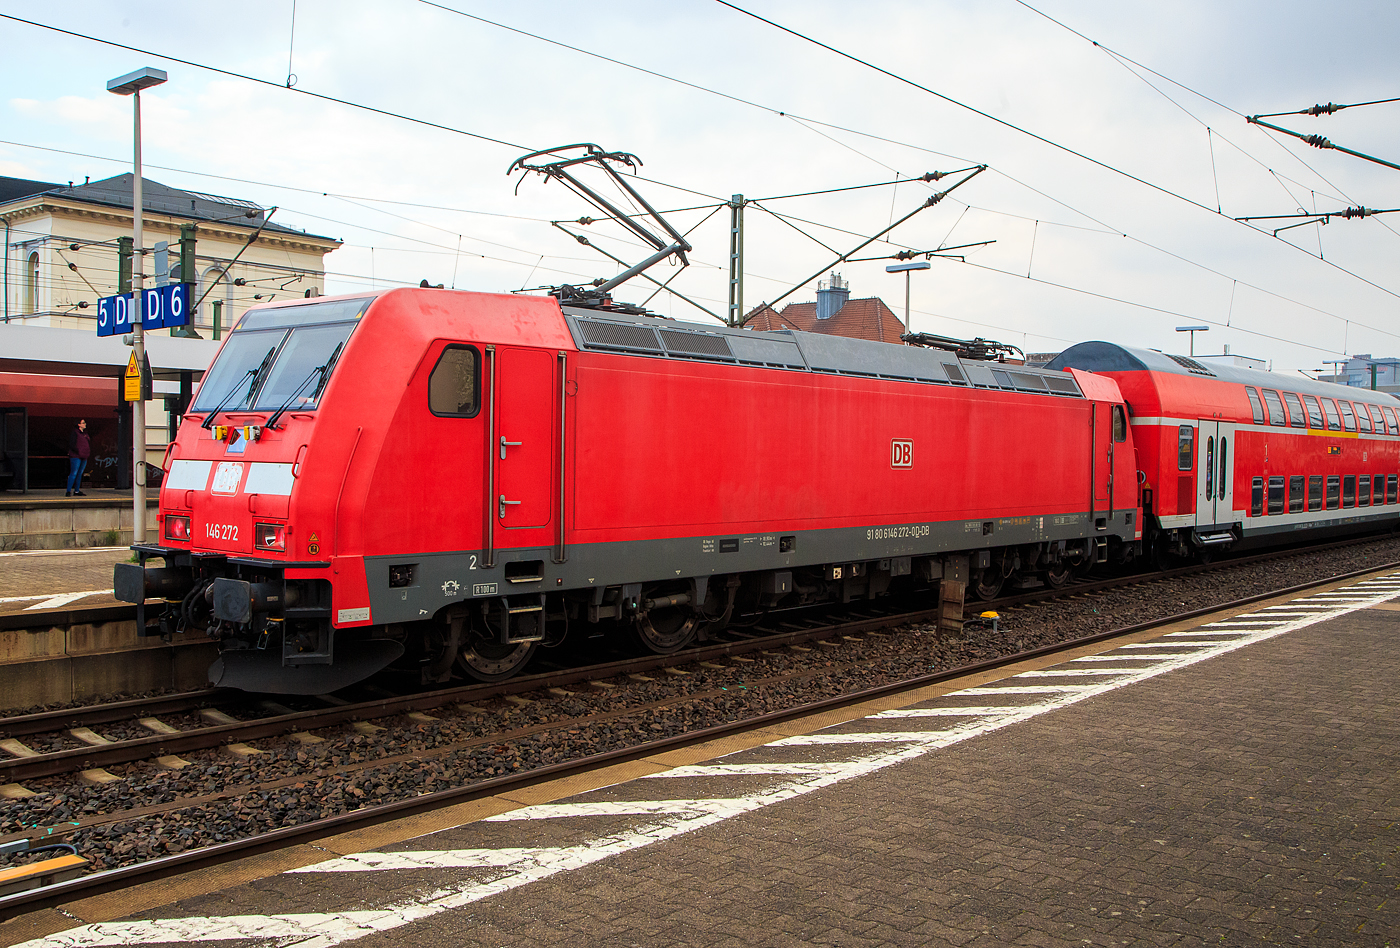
column 75, row 473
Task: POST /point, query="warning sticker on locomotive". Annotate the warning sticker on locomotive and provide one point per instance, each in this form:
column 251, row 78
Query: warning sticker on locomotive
column 226, row 477
column 905, row 531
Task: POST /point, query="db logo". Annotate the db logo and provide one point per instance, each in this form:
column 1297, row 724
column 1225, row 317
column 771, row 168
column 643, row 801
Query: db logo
column 901, row 453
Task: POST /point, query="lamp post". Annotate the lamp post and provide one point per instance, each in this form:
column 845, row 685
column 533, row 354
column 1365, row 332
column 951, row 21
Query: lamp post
column 1193, row 330
column 131, row 84
column 907, row 269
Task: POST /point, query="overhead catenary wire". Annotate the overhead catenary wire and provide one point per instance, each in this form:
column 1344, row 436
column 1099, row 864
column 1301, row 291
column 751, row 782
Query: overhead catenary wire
column 487, row 137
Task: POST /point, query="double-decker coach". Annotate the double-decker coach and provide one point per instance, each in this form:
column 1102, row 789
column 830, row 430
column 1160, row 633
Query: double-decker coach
column 1236, row 457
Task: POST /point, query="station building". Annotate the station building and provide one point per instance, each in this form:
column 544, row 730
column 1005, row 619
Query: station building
column 67, row 246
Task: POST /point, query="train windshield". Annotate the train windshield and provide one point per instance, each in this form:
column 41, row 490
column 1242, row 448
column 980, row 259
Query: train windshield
column 281, row 356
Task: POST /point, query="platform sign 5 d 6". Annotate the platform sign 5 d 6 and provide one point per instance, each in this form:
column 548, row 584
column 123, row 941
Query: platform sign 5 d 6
column 165, row 308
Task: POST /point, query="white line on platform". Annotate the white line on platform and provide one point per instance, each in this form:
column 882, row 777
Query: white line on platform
column 553, row 811
column 58, row 602
column 746, row 770
column 970, row 711
column 1022, row 690
column 1178, row 644
column 1151, row 657
column 1223, row 628
column 1076, row 672
column 673, row 818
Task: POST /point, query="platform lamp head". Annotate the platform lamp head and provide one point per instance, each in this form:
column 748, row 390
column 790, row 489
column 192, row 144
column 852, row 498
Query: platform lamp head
column 1193, row 330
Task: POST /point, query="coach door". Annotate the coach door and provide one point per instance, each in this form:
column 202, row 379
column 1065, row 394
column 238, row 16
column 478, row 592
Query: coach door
column 1215, row 473
column 522, row 444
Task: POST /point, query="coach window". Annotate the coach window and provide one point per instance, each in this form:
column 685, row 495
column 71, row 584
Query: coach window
column 1295, row 410
column 1391, row 483
column 1377, row 418
column 1315, row 492
column 1314, row 412
column 1255, row 405
column 1296, row 485
column 1348, row 417
column 1185, row 447
column 1275, row 495
column 454, row 388
column 1224, row 467
column 1363, row 418
column 1256, row 497
column 1334, row 420
column 1390, row 423
column 1276, row 416
column 1334, row 491
column 1363, row 491
column 1120, row 424
column 1349, row 491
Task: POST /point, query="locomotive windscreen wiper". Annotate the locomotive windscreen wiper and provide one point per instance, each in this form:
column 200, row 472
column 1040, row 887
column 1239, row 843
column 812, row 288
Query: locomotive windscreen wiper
column 253, row 376
column 323, row 371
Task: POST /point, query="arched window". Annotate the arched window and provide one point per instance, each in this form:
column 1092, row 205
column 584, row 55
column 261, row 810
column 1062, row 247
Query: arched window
column 31, row 284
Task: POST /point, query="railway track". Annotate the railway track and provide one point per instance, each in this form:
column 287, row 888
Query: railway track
column 368, row 814
column 204, row 721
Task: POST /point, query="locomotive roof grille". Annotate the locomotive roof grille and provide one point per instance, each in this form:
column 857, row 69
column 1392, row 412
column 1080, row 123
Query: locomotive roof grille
column 806, row 352
column 695, row 343
column 598, row 334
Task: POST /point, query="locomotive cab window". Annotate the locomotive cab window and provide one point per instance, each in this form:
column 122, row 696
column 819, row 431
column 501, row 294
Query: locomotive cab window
column 1185, row 447
column 1295, row 410
column 1120, row 424
column 1276, row 416
column 1314, row 412
column 1255, row 405
column 454, row 388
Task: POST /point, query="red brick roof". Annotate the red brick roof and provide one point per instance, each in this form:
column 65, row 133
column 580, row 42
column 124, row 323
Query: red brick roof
column 858, row 319
column 863, row 319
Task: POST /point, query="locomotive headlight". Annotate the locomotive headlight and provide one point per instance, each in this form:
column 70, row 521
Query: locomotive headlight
column 270, row 536
column 177, row 528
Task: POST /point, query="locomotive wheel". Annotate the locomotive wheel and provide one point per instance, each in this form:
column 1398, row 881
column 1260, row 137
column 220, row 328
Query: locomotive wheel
column 986, row 584
column 663, row 631
column 1057, row 575
column 492, row 661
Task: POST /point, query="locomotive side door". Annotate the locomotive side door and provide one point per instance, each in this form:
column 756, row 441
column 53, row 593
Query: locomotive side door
column 1215, row 473
column 524, row 441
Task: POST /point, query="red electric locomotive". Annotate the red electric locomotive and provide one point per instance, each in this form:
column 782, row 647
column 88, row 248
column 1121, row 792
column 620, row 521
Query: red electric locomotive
column 1235, row 457
column 437, row 477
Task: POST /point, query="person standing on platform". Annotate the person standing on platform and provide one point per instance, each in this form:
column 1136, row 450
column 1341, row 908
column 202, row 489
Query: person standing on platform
column 79, row 447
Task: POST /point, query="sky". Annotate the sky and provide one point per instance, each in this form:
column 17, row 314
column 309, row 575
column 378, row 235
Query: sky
column 1114, row 172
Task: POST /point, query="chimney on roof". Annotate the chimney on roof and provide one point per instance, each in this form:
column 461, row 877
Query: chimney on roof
column 832, row 294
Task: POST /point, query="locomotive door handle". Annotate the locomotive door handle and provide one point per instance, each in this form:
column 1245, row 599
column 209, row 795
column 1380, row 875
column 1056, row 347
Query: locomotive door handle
column 504, row 504
column 508, row 444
